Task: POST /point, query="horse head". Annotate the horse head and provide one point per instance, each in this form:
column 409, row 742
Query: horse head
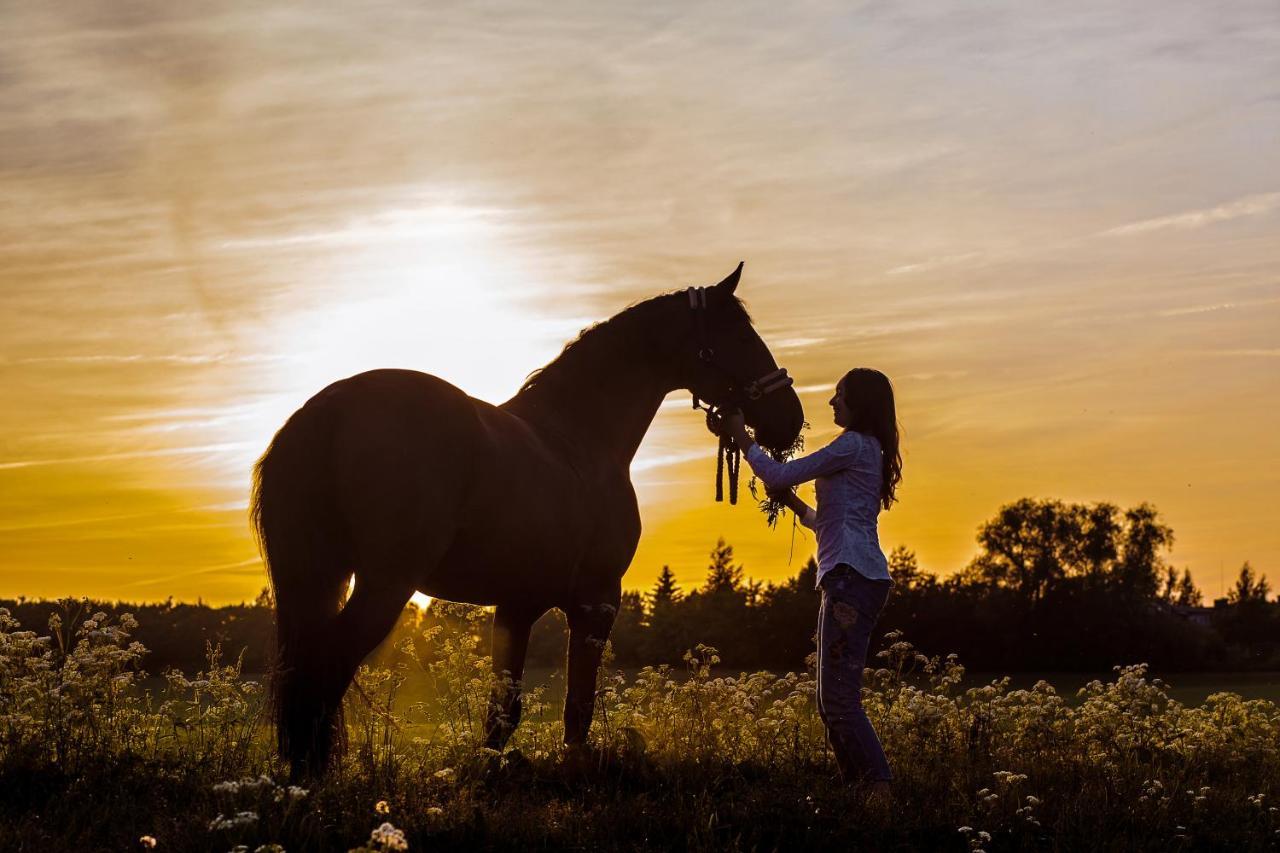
column 727, row 364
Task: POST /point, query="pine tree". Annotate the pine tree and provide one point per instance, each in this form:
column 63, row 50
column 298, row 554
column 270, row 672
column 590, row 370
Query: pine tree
column 904, row 568
column 665, row 591
column 665, row 636
column 722, row 575
column 1187, row 593
column 1249, row 588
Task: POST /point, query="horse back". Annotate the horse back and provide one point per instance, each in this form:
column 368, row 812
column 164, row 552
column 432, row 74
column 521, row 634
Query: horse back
column 401, row 448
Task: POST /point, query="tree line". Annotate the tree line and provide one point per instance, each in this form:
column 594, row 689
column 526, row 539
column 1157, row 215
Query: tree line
column 1054, row 586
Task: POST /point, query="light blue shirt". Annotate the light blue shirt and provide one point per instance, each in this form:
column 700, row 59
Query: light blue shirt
column 848, row 472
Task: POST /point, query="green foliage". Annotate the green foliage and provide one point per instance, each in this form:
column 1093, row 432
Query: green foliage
column 1248, row 587
column 1034, row 545
column 771, row 508
column 680, row 758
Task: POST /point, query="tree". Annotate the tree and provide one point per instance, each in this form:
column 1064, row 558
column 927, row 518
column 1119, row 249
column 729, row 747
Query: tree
column 667, row 631
column 722, row 574
column 1181, row 591
column 1248, row 588
column 905, row 570
column 1033, row 546
column 1188, row 594
column 1137, row 572
column 665, row 591
column 627, row 635
column 1028, row 546
column 1251, row 622
column 1099, row 534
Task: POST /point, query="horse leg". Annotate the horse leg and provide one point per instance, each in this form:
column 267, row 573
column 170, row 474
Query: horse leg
column 511, row 626
column 365, row 620
column 590, row 622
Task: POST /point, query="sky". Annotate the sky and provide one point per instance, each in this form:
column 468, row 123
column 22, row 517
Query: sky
column 1055, row 227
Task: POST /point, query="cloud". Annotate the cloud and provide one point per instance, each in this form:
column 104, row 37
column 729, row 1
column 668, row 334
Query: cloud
column 1255, row 353
column 934, row 263
column 1253, row 205
column 132, row 454
column 250, row 561
column 937, row 374
column 1196, row 309
column 438, row 220
column 163, row 358
column 645, row 464
column 1217, row 306
column 797, row 343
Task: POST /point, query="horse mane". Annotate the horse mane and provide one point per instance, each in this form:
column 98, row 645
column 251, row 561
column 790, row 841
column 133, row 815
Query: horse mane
column 601, row 339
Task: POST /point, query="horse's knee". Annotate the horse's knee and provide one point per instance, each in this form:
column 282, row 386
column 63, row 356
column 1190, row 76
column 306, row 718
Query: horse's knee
column 593, row 622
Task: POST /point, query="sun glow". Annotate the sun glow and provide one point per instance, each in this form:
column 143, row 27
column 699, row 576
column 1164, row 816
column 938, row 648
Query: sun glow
column 435, row 288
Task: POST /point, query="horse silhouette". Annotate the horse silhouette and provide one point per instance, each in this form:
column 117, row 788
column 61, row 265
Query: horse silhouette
column 410, row 484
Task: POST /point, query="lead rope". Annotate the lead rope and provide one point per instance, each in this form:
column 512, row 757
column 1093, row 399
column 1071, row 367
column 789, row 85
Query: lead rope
column 728, row 453
column 733, row 455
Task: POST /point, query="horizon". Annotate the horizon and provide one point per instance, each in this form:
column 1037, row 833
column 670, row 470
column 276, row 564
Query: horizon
column 1057, row 233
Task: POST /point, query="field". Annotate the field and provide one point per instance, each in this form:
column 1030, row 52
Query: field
column 1188, row 688
column 94, row 756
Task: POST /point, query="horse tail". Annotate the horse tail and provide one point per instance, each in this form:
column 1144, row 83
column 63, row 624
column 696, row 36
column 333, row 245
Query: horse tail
column 292, row 513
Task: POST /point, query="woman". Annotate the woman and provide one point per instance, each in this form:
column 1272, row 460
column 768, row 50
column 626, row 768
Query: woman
column 856, row 475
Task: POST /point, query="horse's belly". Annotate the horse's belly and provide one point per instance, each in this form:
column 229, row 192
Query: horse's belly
column 509, row 551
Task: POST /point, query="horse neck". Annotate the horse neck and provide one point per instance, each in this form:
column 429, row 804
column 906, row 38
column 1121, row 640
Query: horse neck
column 601, row 411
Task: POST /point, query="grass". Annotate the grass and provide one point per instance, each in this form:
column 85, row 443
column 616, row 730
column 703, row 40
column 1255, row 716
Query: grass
column 92, row 757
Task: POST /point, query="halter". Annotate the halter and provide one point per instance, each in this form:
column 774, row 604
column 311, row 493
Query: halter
column 738, row 393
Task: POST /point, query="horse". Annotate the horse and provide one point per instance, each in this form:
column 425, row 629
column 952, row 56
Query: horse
column 404, row 481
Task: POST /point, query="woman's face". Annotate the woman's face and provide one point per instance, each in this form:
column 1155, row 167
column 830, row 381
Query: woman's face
column 840, row 410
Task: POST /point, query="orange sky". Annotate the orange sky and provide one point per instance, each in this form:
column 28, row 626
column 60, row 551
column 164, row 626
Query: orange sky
column 1057, row 231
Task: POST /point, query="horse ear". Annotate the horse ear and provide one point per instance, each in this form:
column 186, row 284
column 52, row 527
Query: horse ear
column 731, row 281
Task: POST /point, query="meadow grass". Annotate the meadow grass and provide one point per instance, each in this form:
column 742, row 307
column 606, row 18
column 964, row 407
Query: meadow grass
column 89, row 759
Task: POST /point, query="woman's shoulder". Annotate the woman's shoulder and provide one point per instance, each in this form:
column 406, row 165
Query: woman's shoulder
column 855, row 440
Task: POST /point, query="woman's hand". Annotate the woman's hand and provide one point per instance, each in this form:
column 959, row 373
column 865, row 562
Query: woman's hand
column 788, row 498
column 781, row 495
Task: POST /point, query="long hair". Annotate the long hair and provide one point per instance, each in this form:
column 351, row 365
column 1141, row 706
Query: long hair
column 869, row 397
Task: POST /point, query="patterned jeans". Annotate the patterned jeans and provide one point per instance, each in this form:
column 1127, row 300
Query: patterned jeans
column 851, row 603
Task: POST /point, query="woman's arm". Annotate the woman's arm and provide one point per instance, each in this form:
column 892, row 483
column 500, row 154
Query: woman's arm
column 792, row 501
column 777, row 475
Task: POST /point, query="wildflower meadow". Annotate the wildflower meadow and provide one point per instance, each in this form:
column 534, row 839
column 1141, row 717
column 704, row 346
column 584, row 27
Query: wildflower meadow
column 91, row 758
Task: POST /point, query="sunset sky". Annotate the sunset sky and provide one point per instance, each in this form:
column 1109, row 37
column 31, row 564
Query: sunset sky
column 1056, row 227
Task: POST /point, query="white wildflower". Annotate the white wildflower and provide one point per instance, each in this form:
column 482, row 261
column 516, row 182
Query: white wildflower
column 387, row 837
column 236, row 821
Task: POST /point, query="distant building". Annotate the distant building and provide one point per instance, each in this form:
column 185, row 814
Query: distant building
column 1196, row 614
